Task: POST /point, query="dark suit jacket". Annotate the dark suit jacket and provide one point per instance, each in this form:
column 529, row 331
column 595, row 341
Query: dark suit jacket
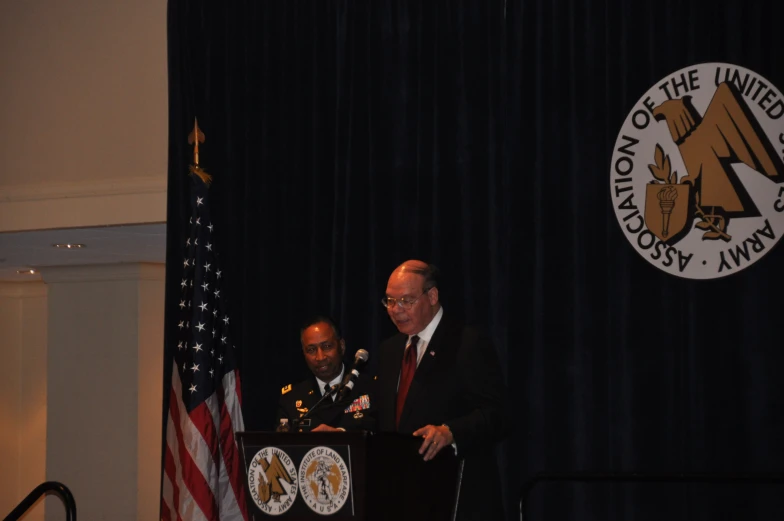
column 303, row 396
column 458, row 383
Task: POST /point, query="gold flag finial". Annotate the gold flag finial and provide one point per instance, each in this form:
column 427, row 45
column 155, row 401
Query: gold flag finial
column 194, row 138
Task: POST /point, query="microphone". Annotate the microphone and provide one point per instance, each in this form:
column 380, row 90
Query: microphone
column 343, row 389
column 360, row 359
column 332, row 390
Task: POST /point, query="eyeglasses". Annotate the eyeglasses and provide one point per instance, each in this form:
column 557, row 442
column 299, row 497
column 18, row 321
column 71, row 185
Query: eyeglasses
column 403, row 302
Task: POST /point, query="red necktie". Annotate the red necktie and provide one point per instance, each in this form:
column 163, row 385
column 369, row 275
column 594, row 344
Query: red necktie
column 406, row 375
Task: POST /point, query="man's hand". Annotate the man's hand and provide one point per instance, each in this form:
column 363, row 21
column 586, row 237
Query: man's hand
column 435, row 439
column 326, row 428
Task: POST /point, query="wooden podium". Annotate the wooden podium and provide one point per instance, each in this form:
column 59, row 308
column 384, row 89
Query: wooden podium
column 355, row 476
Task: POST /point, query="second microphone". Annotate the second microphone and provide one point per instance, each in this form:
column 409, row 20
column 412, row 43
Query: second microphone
column 360, row 359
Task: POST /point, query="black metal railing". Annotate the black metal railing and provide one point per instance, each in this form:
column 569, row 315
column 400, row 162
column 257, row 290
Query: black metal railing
column 636, row 477
column 46, row 488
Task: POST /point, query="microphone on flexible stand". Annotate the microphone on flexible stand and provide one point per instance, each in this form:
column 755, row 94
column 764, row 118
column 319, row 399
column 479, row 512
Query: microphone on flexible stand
column 298, row 421
column 360, row 359
column 343, row 388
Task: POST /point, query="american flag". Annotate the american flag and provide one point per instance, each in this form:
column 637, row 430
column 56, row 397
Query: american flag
column 203, row 474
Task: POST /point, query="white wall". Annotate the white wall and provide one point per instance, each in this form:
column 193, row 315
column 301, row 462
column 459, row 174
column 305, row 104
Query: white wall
column 150, row 391
column 84, row 113
column 105, row 388
column 23, row 404
column 81, row 390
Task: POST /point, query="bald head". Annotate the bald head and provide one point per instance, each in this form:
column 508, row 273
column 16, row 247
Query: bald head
column 428, row 272
column 413, row 281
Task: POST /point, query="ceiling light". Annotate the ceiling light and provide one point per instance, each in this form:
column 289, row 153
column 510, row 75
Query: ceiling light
column 26, row 272
column 69, row 246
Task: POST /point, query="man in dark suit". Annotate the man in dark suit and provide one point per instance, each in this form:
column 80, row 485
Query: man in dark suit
column 442, row 381
column 323, row 348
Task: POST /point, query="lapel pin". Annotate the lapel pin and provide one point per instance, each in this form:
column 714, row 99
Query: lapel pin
column 432, row 353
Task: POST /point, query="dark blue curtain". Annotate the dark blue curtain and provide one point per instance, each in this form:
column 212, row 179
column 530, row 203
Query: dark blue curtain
column 348, row 136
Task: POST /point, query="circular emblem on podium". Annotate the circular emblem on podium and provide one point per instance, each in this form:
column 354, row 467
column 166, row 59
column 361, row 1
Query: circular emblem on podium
column 272, row 481
column 324, row 480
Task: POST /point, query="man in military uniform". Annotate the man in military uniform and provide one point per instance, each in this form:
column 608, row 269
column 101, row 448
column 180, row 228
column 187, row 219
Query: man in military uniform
column 324, row 348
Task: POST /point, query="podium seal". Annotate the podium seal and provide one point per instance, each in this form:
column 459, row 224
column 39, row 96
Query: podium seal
column 272, row 481
column 324, row 480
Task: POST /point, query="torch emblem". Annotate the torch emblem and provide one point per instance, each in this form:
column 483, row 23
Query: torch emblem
column 666, row 202
column 667, row 197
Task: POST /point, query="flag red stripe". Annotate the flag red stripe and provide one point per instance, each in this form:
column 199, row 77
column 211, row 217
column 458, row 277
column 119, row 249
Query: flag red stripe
column 231, row 457
column 238, row 391
column 179, row 497
column 192, row 476
column 237, row 473
column 165, row 512
column 170, row 470
column 202, row 421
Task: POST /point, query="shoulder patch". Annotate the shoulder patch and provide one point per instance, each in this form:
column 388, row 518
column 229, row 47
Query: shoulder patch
column 285, row 389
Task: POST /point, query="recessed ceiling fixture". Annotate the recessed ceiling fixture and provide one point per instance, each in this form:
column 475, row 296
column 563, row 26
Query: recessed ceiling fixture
column 26, row 272
column 69, row 246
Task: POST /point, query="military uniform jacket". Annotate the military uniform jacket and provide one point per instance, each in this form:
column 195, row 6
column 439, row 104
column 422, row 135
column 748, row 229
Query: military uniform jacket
column 355, row 412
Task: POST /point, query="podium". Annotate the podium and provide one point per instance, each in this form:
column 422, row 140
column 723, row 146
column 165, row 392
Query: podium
column 355, row 476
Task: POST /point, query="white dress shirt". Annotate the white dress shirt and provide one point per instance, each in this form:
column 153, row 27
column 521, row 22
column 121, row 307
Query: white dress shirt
column 426, row 334
column 334, row 381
